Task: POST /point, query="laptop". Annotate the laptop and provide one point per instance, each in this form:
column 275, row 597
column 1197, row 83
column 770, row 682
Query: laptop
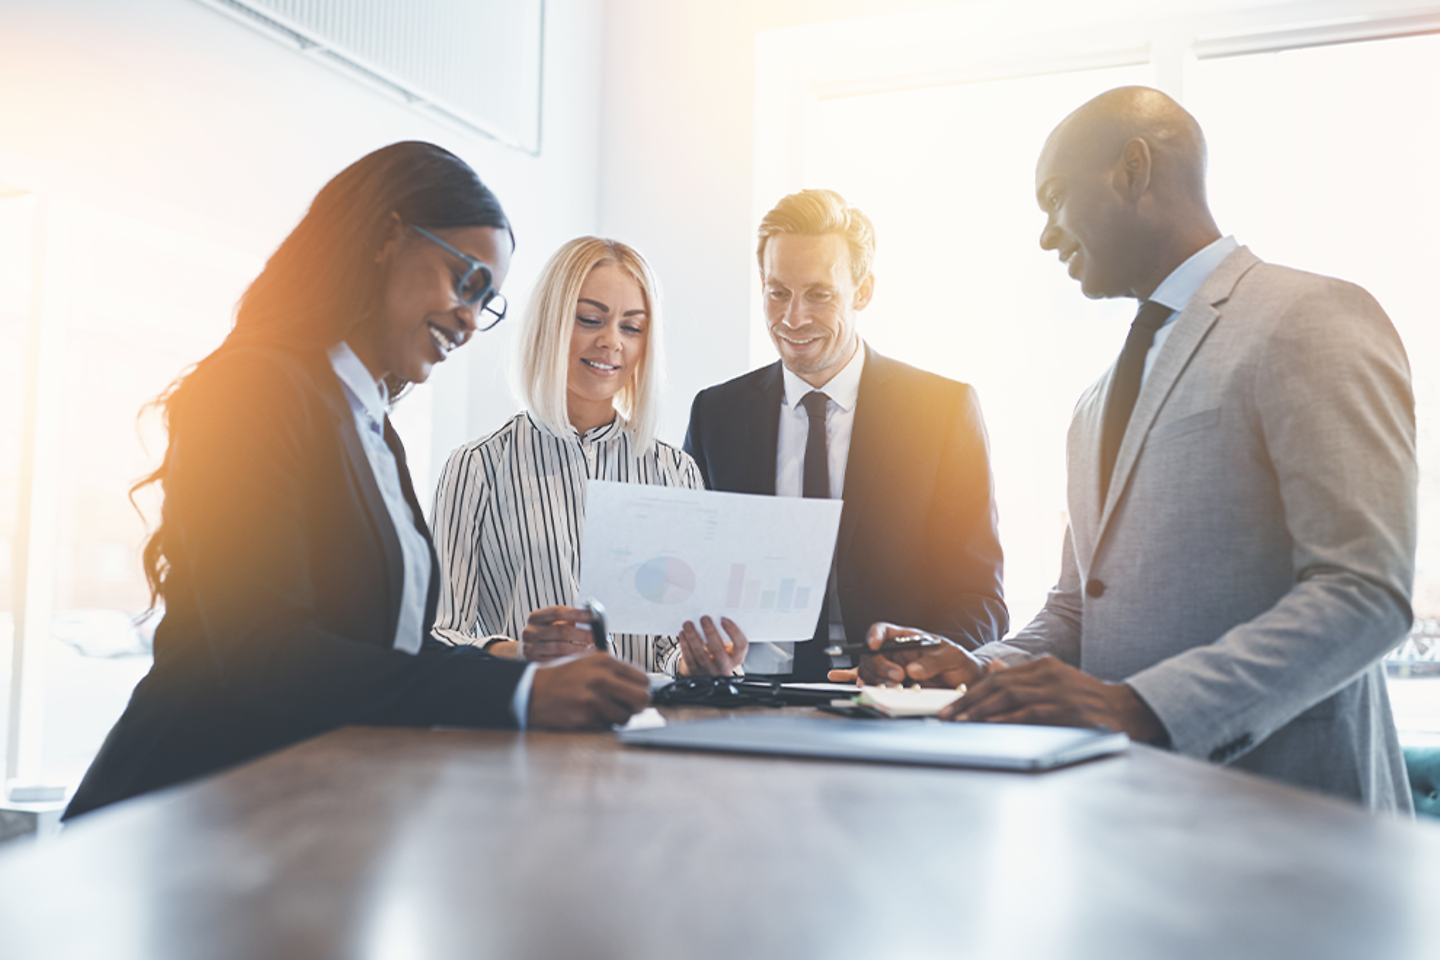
column 991, row 746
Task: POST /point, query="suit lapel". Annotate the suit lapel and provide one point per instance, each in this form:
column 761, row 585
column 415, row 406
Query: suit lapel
column 373, row 502
column 874, row 412
column 1084, row 465
column 756, row 460
column 407, row 487
column 1191, row 329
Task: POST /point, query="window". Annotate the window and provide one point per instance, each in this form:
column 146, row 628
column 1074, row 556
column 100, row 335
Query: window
column 962, row 288
column 1319, row 157
column 121, row 308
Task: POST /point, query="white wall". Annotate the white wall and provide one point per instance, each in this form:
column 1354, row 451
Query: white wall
column 172, row 112
column 177, row 114
column 676, row 161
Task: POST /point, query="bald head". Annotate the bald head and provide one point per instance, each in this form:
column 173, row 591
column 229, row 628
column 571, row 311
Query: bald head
column 1099, row 130
column 1122, row 182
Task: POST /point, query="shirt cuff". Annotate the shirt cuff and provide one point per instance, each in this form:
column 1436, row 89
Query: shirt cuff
column 520, row 701
column 484, row 642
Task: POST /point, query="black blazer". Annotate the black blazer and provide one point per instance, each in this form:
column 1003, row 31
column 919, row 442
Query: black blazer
column 918, row 543
column 284, row 588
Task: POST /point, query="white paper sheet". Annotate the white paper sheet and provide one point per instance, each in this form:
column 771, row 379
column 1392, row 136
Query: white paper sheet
column 658, row 556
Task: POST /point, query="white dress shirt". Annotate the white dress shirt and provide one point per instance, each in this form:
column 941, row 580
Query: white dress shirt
column 1176, row 290
column 843, row 390
column 367, row 402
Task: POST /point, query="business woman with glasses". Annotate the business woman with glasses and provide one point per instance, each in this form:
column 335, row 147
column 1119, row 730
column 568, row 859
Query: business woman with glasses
column 296, row 571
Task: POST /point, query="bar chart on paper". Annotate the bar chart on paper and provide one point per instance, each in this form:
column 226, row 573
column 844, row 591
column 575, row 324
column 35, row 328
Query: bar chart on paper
column 744, row 594
column 658, row 556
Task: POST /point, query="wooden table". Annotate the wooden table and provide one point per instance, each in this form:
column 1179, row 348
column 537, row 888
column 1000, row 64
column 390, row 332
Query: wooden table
column 396, row 844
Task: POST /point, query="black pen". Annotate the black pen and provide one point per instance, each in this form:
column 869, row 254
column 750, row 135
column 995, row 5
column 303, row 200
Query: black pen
column 597, row 625
column 889, row 646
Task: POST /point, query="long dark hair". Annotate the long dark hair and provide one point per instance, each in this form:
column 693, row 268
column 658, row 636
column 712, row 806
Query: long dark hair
column 321, row 283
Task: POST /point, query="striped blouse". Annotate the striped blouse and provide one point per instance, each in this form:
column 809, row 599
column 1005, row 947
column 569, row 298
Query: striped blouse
column 509, row 509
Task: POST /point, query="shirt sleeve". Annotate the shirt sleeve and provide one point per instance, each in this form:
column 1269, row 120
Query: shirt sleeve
column 460, row 500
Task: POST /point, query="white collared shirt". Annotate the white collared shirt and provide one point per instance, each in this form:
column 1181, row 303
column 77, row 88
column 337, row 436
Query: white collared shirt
column 367, row 402
column 1176, row 290
column 843, row 389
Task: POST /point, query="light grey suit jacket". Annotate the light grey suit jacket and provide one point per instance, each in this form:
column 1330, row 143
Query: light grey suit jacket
column 1254, row 558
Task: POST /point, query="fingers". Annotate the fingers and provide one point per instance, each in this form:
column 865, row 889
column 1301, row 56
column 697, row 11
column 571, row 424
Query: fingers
column 558, row 614
column 705, row 650
column 619, row 695
column 620, row 690
column 714, row 643
column 844, row 676
column 739, row 643
column 588, row 691
column 553, row 632
column 878, row 668
column 947, row 664
column 891, row 667
column 695, row 652
column 881, row 631
column 542, row 651
column 984, row 697
column 1048, row 715
column 1037, row 691
column 725, row 655
column 556, row 630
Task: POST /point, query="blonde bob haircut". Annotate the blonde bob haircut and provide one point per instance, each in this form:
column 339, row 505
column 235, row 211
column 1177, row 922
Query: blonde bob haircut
column 549, row 322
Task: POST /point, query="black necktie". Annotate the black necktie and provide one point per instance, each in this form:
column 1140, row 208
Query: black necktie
column 1129, row 370
column 817, row 452
column 811, row 662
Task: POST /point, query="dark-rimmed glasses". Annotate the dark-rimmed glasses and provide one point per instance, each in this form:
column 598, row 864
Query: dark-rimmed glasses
column 475, row 287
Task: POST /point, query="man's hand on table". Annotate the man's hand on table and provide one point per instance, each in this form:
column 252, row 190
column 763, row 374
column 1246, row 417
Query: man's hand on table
column 1043, row 691
column 591, row 690
column 1047, row 691
column 945, row 665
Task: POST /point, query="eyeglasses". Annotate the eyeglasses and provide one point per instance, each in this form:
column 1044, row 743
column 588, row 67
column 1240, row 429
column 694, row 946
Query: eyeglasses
column 475, row 287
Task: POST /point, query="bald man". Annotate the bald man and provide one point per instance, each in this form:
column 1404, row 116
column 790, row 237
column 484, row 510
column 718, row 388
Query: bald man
column 1241, row 488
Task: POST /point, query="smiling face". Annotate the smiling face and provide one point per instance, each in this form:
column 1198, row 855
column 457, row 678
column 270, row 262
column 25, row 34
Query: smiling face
column 422, row 319
column 812, row 303
column 607, row 344
column 1086, row 219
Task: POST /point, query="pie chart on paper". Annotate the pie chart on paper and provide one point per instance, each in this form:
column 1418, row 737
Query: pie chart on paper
column 665, row 580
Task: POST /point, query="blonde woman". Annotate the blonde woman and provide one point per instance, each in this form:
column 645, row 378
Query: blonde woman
column 510, row 507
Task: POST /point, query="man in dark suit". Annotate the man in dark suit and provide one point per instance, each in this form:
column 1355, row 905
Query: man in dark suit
column 905, row 449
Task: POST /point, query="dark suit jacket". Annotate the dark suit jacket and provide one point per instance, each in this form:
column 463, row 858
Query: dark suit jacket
column 918, row 542
column 284, row 588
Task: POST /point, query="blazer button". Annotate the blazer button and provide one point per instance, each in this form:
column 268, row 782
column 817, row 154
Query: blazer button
column 1094, row 587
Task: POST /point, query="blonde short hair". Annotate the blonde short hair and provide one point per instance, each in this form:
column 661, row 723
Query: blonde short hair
column 814, row 213
column 549, row 322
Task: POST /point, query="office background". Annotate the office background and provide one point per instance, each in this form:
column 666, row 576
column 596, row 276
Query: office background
column 152, row 153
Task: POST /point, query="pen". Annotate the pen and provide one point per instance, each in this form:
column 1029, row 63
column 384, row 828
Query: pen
column 889, row 646
column 597, row 624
